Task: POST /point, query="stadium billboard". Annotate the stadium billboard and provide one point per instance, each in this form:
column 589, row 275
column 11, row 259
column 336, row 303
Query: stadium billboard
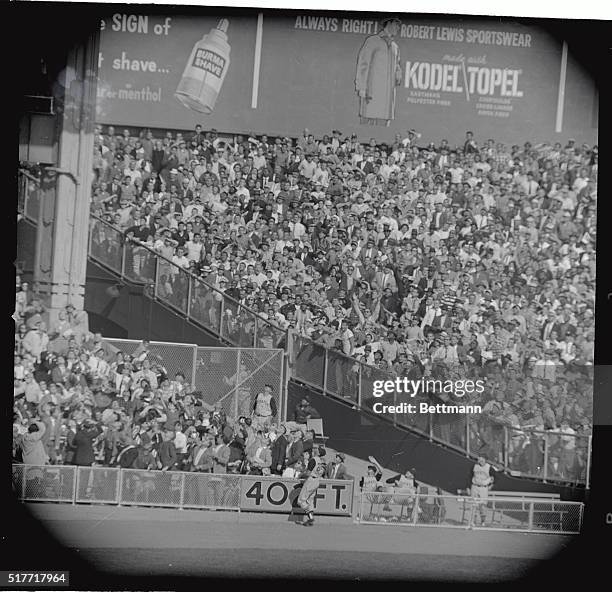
column 281, row 74
column 271, row 494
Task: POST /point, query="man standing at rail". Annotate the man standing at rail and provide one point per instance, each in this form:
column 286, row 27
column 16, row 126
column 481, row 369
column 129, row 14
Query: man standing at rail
column 482, row 482
column 264, row 409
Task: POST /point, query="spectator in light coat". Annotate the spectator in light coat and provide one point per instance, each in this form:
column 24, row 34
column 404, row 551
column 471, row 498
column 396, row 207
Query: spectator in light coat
column 33, row 449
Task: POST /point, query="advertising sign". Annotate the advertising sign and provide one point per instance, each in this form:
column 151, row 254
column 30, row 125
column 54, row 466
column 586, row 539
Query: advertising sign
column 273, row 494
column 281, row 74
column 162, row 71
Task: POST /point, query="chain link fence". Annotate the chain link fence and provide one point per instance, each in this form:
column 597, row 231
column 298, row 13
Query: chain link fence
column 231, row 376
column 394, row 506
column 98, row 485
column 174, row 357
column 152, row 488
column 129, row 487
column 212, row 491
column 234, row 377
column 425, row 508
column 48, row 483
column 416, row 508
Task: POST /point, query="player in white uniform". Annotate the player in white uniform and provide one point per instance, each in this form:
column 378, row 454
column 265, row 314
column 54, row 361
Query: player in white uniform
column 308, row 492
column 482, row 481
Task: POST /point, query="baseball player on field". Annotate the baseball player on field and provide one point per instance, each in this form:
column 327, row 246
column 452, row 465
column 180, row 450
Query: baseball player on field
column 308, row 493
column 482, row 482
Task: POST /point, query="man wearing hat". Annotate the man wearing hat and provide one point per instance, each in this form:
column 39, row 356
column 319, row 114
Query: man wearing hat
column 337, row 468
column 378, row 73
column 335, row 143
column 278, row 449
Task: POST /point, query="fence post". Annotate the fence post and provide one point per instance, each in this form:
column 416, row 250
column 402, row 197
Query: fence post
column 360, row 506
column 182, row 500
column 290, row 349
column 221, row 313
column 236, row 395
column 195, row 365
column 467, row 435
column 430, row 426
column 359, row 386
column 472, row 512
column 188, row 307
column 156, row 274
column 120, row 487
column 23, row 482
column 530, row 523
column 281, row 390
column 506, row 444
column 285, row 385
column 415, row 511
column 77, row 482
column 90, row 236
column 325, row 364
column 588, row 463
column 545, row 457
column 123, row 256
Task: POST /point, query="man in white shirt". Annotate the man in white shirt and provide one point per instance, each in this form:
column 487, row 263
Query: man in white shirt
column 193, row 210
column 456, row 173
column 321, row 175
column 180, row 443
column 411, row 138
column 180, row 260
column 259, row 160
column 347, row 337
column 307, row 167
column 194, row 248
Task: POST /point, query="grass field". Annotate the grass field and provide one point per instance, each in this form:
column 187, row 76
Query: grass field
column 160, row 542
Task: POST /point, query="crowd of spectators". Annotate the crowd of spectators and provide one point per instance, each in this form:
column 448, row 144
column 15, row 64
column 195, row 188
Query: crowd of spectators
column 78, row 401
column 475, row 260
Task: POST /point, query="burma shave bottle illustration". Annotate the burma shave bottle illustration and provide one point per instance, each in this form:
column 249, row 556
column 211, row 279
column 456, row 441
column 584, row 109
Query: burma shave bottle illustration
column 205, row 71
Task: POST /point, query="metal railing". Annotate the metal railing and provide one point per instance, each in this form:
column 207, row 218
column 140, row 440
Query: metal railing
column 180, row 489
column 172, row 489
column 501, row 513
column 45, row 483
column 547, row 455
column 181, row 290
column 29, row 194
